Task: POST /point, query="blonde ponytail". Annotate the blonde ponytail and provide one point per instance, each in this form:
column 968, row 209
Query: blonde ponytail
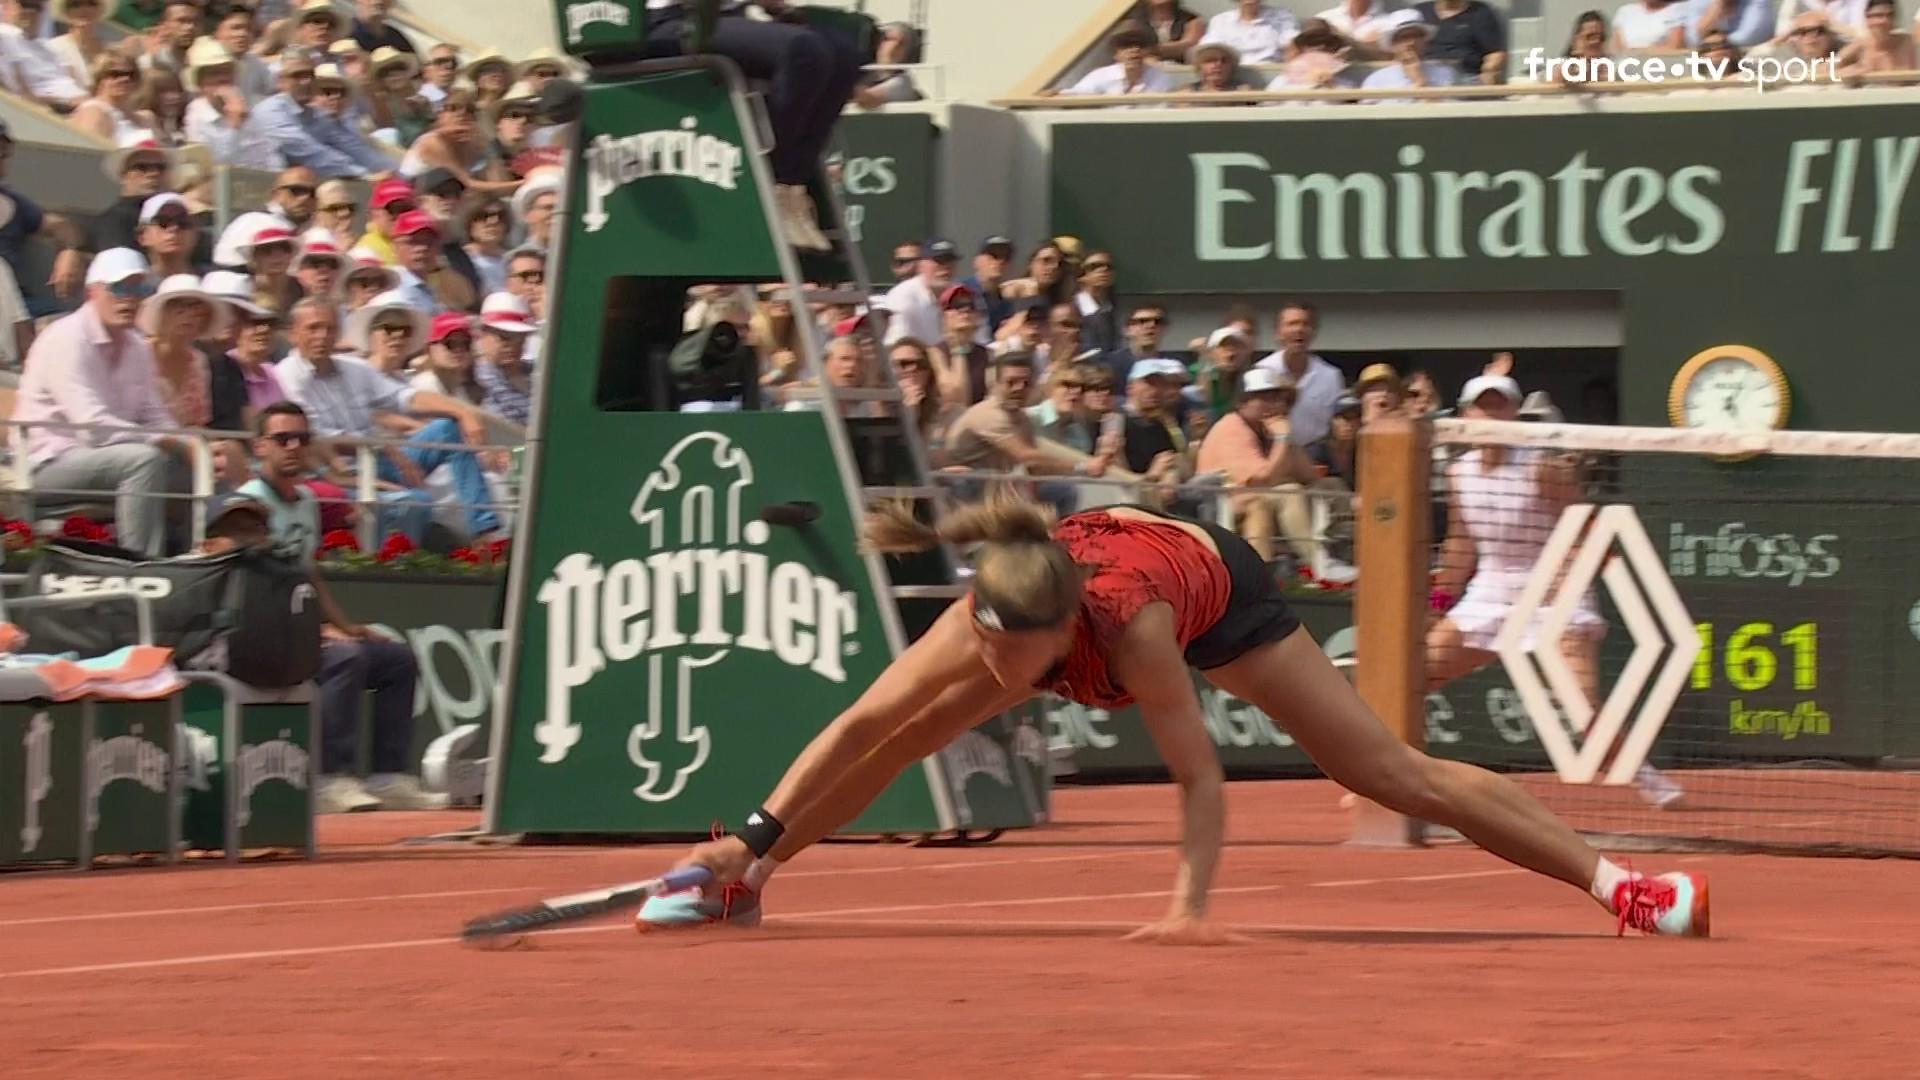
column 1021, row 573
column 892, row 527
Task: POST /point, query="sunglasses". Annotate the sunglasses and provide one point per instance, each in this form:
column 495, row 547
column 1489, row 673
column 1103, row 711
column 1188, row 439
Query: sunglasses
column 333, row 91
column 172, row 221
column 905, row 260
column 1097, row 388
column 393, row 327
column 121, row 73
column 290, row 438
column 251, row 323
column 491, row 217
column 517, row 114
column 298, row 191
column 1092, row 266
column 131, row 289
column 457, row 342
column 1148, row 320
column 340, row 208
column 531, row 277
column 399, row 206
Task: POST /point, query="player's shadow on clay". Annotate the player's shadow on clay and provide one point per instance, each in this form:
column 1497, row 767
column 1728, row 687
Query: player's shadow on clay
column 1321, row 935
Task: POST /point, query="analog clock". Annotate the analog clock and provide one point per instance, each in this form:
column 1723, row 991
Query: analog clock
column 1730, row 388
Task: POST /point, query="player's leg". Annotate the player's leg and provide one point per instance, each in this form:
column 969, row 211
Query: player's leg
column 1293, row 682
column 1448, row 655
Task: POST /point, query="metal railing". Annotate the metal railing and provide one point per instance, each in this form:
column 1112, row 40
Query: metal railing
column 17, row 475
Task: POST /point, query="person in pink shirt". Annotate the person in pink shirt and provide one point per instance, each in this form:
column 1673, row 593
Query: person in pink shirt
column 1245, row 446
column 95, row 369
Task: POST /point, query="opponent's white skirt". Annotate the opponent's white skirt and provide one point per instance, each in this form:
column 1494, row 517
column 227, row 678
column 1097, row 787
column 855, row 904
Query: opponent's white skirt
column 1482, row 613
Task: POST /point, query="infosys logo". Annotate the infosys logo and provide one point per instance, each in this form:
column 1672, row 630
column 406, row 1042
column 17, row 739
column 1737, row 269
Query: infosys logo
column 1733, row 550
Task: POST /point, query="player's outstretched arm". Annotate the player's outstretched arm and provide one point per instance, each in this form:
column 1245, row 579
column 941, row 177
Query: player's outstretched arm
column 937, row 689
column 1149, row 661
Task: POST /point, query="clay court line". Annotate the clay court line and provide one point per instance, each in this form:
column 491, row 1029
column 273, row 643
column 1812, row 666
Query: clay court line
column 1120, row 926
column 267, row 905
column 621, row 925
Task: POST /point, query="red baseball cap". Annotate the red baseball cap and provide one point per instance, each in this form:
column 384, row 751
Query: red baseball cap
column 391, row 191
column 414, row 221
column 448, row 323
column 953, row 293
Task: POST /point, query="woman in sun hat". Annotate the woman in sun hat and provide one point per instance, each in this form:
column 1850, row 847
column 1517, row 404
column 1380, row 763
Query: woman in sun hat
column 242, row 374
column 174, row 319
column 490, row 74
column 388, row 333
column 366, row 278
column 269, row 256
column 396, row 105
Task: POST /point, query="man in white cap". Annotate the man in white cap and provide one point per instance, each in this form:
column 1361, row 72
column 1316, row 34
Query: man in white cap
column 506, row 322
column 1245, row 446
column 1407, row 40
column 1154, row 445
column 27, row 66
column 94, row 368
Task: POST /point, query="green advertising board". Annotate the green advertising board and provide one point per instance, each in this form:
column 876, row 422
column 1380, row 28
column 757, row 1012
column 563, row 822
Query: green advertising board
column 1792, row 230
column 132, row 786
column 885, row 174
column 670, row 650
column 601, row 27
column 41, row 767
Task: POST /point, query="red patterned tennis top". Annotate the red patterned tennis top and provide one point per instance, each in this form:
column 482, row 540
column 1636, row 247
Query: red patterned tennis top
column 1133, row 563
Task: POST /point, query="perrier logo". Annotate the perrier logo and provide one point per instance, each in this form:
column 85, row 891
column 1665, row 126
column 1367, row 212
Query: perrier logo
column 703, row 590
column 581, row 16
column 614, row 163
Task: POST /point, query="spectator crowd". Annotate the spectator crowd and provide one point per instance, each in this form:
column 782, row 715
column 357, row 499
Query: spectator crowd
column 392, row 282
column 1373, row 45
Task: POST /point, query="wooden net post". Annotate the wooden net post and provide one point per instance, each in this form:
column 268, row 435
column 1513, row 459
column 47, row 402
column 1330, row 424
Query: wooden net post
column 1390, row 599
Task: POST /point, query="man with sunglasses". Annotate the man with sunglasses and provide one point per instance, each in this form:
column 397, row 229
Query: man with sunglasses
column 27, row 66
column 306, row 136
column 438, row 73
column 354, row 658
column 294, row 197
column 143, row 169
column 94, row 368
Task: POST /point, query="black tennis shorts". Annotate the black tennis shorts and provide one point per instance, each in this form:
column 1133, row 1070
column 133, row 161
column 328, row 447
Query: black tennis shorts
column 1256, row 611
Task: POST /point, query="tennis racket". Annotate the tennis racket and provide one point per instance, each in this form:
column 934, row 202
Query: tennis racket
column 506, row 926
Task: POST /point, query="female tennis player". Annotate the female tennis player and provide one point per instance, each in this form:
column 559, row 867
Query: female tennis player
column 1503, row 503
column 1110, row 607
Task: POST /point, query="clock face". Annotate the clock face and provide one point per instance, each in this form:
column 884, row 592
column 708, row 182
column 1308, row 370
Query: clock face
column 1731, row 393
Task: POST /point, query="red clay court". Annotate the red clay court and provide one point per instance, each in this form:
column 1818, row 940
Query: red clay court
column 996, row 960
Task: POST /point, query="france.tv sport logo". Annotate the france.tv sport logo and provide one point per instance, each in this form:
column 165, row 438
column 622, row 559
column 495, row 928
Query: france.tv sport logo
column 1759, row 71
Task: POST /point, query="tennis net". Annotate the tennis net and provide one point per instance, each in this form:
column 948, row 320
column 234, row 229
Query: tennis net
column 1684, row 638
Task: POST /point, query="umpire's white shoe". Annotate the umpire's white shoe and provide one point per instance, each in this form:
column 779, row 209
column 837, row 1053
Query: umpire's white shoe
column 343, row 795
column 398, row 791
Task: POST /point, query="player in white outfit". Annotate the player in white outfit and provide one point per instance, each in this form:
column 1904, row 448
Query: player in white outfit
column 1503, row 503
